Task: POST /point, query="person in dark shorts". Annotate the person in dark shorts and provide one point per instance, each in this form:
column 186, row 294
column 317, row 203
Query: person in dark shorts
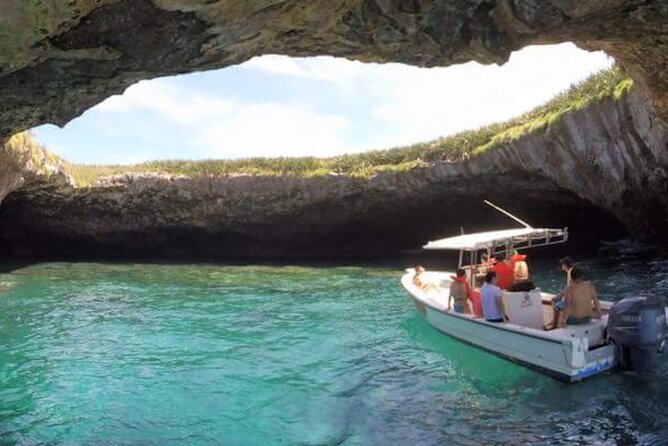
column 581, row 301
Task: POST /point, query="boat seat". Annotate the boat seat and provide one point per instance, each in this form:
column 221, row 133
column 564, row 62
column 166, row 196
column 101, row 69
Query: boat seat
column 524, row 308
column 594, row 331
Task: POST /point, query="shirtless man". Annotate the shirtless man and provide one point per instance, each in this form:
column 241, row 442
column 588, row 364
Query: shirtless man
column 581, row 301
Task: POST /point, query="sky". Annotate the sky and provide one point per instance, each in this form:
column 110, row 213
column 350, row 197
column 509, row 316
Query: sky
column 322, row 106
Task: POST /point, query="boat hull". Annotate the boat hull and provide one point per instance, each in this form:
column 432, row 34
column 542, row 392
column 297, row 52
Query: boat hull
column 565, row 355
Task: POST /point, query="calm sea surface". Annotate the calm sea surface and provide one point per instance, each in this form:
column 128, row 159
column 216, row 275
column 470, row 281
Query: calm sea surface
column 257, row 355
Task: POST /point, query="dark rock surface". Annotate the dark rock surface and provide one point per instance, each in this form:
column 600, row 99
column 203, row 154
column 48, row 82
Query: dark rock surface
column 592, row 170
column 272, row 218
column 59, row 58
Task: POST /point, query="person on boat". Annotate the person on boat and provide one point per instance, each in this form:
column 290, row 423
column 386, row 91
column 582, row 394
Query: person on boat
column 520, row 267
column 487, row 262
column 504, row 272
column 419, row 281
column 566, row 264
column 580, row 301
column 460, row 292
column 492, row 299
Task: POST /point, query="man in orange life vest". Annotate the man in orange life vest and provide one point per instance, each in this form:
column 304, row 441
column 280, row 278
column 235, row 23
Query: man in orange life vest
column 504, row 272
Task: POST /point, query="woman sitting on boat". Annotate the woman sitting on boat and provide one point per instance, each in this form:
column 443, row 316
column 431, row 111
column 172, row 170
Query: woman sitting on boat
column 460, row 291
column 419, row 282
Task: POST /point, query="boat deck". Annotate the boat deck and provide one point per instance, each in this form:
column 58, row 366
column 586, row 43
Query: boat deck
column 593, row 331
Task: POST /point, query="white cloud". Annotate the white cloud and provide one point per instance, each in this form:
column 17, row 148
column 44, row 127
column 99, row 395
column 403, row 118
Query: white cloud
column 221, row 127
column 269, row 129
column 179, row 105
column 441, row 101
column 418, row 104
column 341, row 73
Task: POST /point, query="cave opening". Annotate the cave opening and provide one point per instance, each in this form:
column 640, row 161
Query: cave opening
column 254, row 174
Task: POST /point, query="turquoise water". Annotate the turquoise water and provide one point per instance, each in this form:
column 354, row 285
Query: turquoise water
column 249, row 355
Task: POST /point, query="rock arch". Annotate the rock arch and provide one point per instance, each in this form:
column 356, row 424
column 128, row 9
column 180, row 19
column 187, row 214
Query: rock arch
column 59, row 58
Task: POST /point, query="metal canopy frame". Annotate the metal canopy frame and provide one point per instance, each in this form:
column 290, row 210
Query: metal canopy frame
column 497, row 242
column 546, row 237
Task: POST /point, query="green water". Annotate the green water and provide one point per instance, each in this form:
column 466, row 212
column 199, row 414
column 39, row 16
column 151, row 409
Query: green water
column 205, row 354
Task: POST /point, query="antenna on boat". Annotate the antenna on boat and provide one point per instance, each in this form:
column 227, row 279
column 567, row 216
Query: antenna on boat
column 503, row 211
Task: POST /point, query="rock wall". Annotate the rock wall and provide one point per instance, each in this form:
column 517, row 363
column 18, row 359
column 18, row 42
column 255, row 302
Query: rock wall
column 23, row 162
column 59, row 58
column 612, row 154
column 592, row 169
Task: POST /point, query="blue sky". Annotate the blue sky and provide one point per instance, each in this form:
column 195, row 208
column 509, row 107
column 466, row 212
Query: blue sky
column 280, row 106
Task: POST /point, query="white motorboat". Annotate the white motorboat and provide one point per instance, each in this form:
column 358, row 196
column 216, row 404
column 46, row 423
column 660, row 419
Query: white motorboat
column 571, row 353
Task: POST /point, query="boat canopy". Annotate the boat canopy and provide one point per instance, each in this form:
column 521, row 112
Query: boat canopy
column 517, row 238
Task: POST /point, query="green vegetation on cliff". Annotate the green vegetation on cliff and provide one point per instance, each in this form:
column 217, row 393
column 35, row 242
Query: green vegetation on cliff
column 612, row 83
column 24, row 150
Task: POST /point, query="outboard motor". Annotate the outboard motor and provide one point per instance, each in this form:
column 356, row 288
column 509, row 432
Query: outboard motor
column 637, row 326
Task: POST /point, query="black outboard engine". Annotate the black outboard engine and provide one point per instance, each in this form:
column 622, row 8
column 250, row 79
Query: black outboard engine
column 637, row 326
